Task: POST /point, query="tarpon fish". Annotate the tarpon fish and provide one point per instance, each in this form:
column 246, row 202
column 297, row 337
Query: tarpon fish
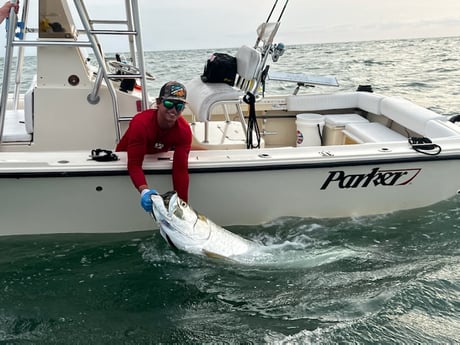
column 187, row 230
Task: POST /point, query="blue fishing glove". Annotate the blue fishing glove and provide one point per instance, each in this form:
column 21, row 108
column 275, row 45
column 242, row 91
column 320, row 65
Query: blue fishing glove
column 146, row 202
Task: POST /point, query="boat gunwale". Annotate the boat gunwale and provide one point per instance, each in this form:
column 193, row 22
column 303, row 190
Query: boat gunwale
column 122, row 171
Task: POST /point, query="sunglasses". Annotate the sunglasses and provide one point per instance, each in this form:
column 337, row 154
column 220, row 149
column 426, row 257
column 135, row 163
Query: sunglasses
column 171, row 104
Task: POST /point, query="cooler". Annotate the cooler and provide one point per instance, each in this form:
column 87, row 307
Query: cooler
column 335, row 124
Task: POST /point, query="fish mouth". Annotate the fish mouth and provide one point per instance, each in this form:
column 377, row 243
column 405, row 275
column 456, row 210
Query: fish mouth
column 164, row 206
column 169, row 198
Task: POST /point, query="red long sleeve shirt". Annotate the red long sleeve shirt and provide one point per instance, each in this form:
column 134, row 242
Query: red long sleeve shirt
column 144, row 136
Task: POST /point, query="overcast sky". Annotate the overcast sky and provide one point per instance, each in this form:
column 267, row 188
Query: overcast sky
column 189, row 24
column 218, row 23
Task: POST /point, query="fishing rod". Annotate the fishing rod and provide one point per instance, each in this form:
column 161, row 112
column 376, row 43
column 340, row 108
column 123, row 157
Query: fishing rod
column 276, row 50
column 271, row 12
column 272, row 28
column 267, row 48
column 282, row 11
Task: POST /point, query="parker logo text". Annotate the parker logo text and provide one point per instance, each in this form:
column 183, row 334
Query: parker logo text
column 375, row 177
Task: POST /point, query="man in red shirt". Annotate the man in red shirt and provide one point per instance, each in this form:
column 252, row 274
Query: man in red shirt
column 159, row 130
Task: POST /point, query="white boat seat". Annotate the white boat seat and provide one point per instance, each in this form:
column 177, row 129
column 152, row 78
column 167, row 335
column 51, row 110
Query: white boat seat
column 335, row 124
column 202, row 98
column 14, row 127
column 441, row 129
column 18, row 125
column 248, row 61
column 28, row 106
column 396, row 109
column 408, row 114
column 366, row 101
column 371, row 132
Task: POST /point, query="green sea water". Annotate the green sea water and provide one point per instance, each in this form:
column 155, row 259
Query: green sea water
column 391, row 279
column 384, row 279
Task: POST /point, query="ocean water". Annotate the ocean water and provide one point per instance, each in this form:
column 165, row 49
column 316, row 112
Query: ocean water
column 390, row 279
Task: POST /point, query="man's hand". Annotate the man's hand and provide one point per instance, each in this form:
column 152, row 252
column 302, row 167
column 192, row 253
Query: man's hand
column 146, row 202
column 5, row 9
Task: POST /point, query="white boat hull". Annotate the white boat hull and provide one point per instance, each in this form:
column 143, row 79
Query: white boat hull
column 354, row 160
column 98, row 197
column 260, row 197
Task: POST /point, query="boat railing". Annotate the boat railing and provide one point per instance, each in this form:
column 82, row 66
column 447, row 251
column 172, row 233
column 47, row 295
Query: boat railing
column 12, row 22
column 136, row 51
column 132, row 31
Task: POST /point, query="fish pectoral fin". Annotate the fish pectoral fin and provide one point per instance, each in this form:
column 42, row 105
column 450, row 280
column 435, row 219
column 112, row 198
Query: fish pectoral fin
column 213, row 255
column 168, row 239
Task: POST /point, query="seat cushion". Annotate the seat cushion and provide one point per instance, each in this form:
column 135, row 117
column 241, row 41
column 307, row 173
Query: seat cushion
column 201, row 96
column 372, row 132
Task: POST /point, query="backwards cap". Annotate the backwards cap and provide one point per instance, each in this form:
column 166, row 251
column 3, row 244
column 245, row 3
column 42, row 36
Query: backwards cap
column 173, row 90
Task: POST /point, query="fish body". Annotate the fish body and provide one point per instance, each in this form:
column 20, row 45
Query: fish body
column 184, row 228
